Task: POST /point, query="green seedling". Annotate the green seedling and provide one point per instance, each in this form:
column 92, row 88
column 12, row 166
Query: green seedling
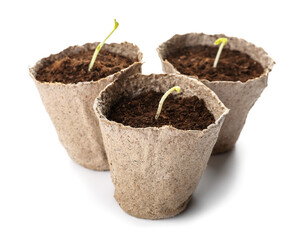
column 177, row 88
column 98, row 48
column 223, row 42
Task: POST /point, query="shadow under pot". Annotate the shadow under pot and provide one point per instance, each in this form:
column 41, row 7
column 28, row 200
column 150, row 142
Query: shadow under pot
column 156, row 165
column 68, row 91
column 238, row 79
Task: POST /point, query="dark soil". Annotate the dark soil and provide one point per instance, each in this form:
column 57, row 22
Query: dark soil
column 232, row 66
column 74, row 68
column 182, row 113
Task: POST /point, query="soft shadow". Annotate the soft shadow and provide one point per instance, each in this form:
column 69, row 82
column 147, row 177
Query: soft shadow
column 99, row 183
column 215, row 184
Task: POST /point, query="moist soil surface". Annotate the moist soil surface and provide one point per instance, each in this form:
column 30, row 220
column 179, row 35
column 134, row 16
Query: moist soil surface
column 233, row 65
column 182, row 113
column 74, row 68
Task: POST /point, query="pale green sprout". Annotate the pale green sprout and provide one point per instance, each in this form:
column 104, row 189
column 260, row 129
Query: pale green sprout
column 223, row 42
column 177, row 88
column 98, row 48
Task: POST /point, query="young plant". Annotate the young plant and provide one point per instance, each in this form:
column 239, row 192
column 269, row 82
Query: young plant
column 223, row 42
column 177, row 88
column 98, row 48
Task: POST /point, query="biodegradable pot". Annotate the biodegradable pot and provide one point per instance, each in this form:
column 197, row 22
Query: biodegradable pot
column 156, row 170
column 238, row 96
column 70, row 106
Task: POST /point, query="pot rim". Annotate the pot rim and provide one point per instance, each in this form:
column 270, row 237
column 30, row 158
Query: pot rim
column 218, row 121
column 33, row 70
column 266, row 71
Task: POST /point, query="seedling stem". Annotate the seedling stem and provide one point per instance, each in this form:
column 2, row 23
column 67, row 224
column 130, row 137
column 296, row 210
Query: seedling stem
column 223, row 42
column 98, row 48
column 177, row 88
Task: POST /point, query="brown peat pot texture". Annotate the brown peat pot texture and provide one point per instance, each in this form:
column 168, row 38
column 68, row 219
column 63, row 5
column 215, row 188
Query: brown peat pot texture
column 155, row 168
column 239, row 79
column 68, row 91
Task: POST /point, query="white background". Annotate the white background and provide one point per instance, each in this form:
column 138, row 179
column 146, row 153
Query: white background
column 254, row 192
